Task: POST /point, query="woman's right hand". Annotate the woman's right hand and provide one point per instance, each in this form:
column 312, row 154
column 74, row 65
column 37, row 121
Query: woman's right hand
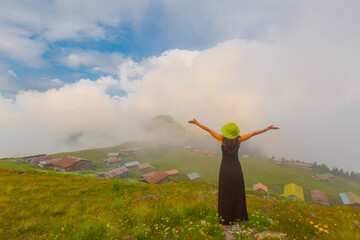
column 194, row 122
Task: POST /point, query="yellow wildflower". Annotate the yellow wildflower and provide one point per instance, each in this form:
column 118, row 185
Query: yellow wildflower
column 326, row 231
column 321, row 229
column 316, row 226
column 311, row 222
column 335, row 224
column 156, row 228
column 325, row 226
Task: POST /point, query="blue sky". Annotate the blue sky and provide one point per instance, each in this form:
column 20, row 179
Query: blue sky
column 65, row 66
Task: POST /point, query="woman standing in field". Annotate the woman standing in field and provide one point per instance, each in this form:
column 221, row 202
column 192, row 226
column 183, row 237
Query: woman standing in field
column 231, row 196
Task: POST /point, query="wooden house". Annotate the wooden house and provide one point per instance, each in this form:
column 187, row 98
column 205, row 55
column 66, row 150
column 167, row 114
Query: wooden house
column 327, row 177
column 131, row 164
column 49, row 163
column 319, row 197
column 113, row 155
column 173, row 173
column 350, row 198
column 121, row 172
column 28, row 159
column 303, row 165
column 124, row 152
column 112, row 161
column 293, row 191
column 69, row 164
column 155, row 177
column 260, row 187
column 193, row 176
column 197, row 150
column 143, row 168
column 36, row 160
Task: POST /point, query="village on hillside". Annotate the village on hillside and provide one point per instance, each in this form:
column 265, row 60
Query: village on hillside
column 148, row 174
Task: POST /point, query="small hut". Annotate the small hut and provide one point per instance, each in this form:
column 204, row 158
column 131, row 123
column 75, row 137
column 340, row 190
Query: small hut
column 28, row 159
column 293, row 191
column 173, row 173
column 350, row 198
column 121, row 172
column 49, row 163
column 155, row 177
column 131, row 164
column 260, row 187
column 327, row 177
column 303, row 165
column 112, row 161
column 143, row 168
column 319, row 197
column 36, row 160
column 124, row 152
column 69, row 164
column 193, row 176
column 113, row 155
column 197, row 151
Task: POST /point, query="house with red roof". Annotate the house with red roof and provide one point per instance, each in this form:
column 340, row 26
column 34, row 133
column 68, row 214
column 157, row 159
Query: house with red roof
column 70, row 164
column 143, row 168
column 155, row 177
column 121, row 172
column 319, row 197
column 173, row 173
column 36, row 160
column 112, row 161
column 260, row 187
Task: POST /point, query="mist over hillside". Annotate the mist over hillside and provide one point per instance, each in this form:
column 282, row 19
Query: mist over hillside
column 167, row 130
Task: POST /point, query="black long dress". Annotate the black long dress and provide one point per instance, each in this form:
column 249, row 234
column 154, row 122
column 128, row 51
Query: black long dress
column 231, row 196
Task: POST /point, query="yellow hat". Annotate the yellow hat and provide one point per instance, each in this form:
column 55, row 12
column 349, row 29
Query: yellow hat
column 230, row 130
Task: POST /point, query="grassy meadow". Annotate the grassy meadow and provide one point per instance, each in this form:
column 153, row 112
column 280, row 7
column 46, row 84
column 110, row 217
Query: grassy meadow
column 38, row 203
column 51, row 205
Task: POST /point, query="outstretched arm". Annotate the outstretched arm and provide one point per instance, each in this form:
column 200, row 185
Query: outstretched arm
column 214, row 134
column 249, row 135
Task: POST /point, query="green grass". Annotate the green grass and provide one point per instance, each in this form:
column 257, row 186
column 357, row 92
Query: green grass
column 51, row 205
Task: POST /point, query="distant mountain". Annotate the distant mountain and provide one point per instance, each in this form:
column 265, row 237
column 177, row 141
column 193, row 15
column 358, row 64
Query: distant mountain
column 167, row 121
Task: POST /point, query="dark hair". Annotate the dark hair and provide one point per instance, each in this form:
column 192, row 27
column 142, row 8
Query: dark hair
column 231, row 145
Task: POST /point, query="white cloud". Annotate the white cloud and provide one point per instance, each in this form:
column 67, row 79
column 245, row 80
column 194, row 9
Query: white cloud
column 251, row 83
column 100, row 61
column 15, row 44
column 8, row 79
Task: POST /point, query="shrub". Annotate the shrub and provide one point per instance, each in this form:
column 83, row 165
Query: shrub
column 116, row 185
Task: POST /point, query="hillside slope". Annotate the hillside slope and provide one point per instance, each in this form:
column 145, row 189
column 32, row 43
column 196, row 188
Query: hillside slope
column 39, row 205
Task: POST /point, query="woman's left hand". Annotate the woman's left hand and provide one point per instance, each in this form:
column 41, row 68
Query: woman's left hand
column 271, row 127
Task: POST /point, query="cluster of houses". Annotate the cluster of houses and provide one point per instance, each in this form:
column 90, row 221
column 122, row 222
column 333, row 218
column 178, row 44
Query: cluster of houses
column 207, row 152
column 295, row 192
column 147, row 176
column 297, row 164
column 66, row 164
